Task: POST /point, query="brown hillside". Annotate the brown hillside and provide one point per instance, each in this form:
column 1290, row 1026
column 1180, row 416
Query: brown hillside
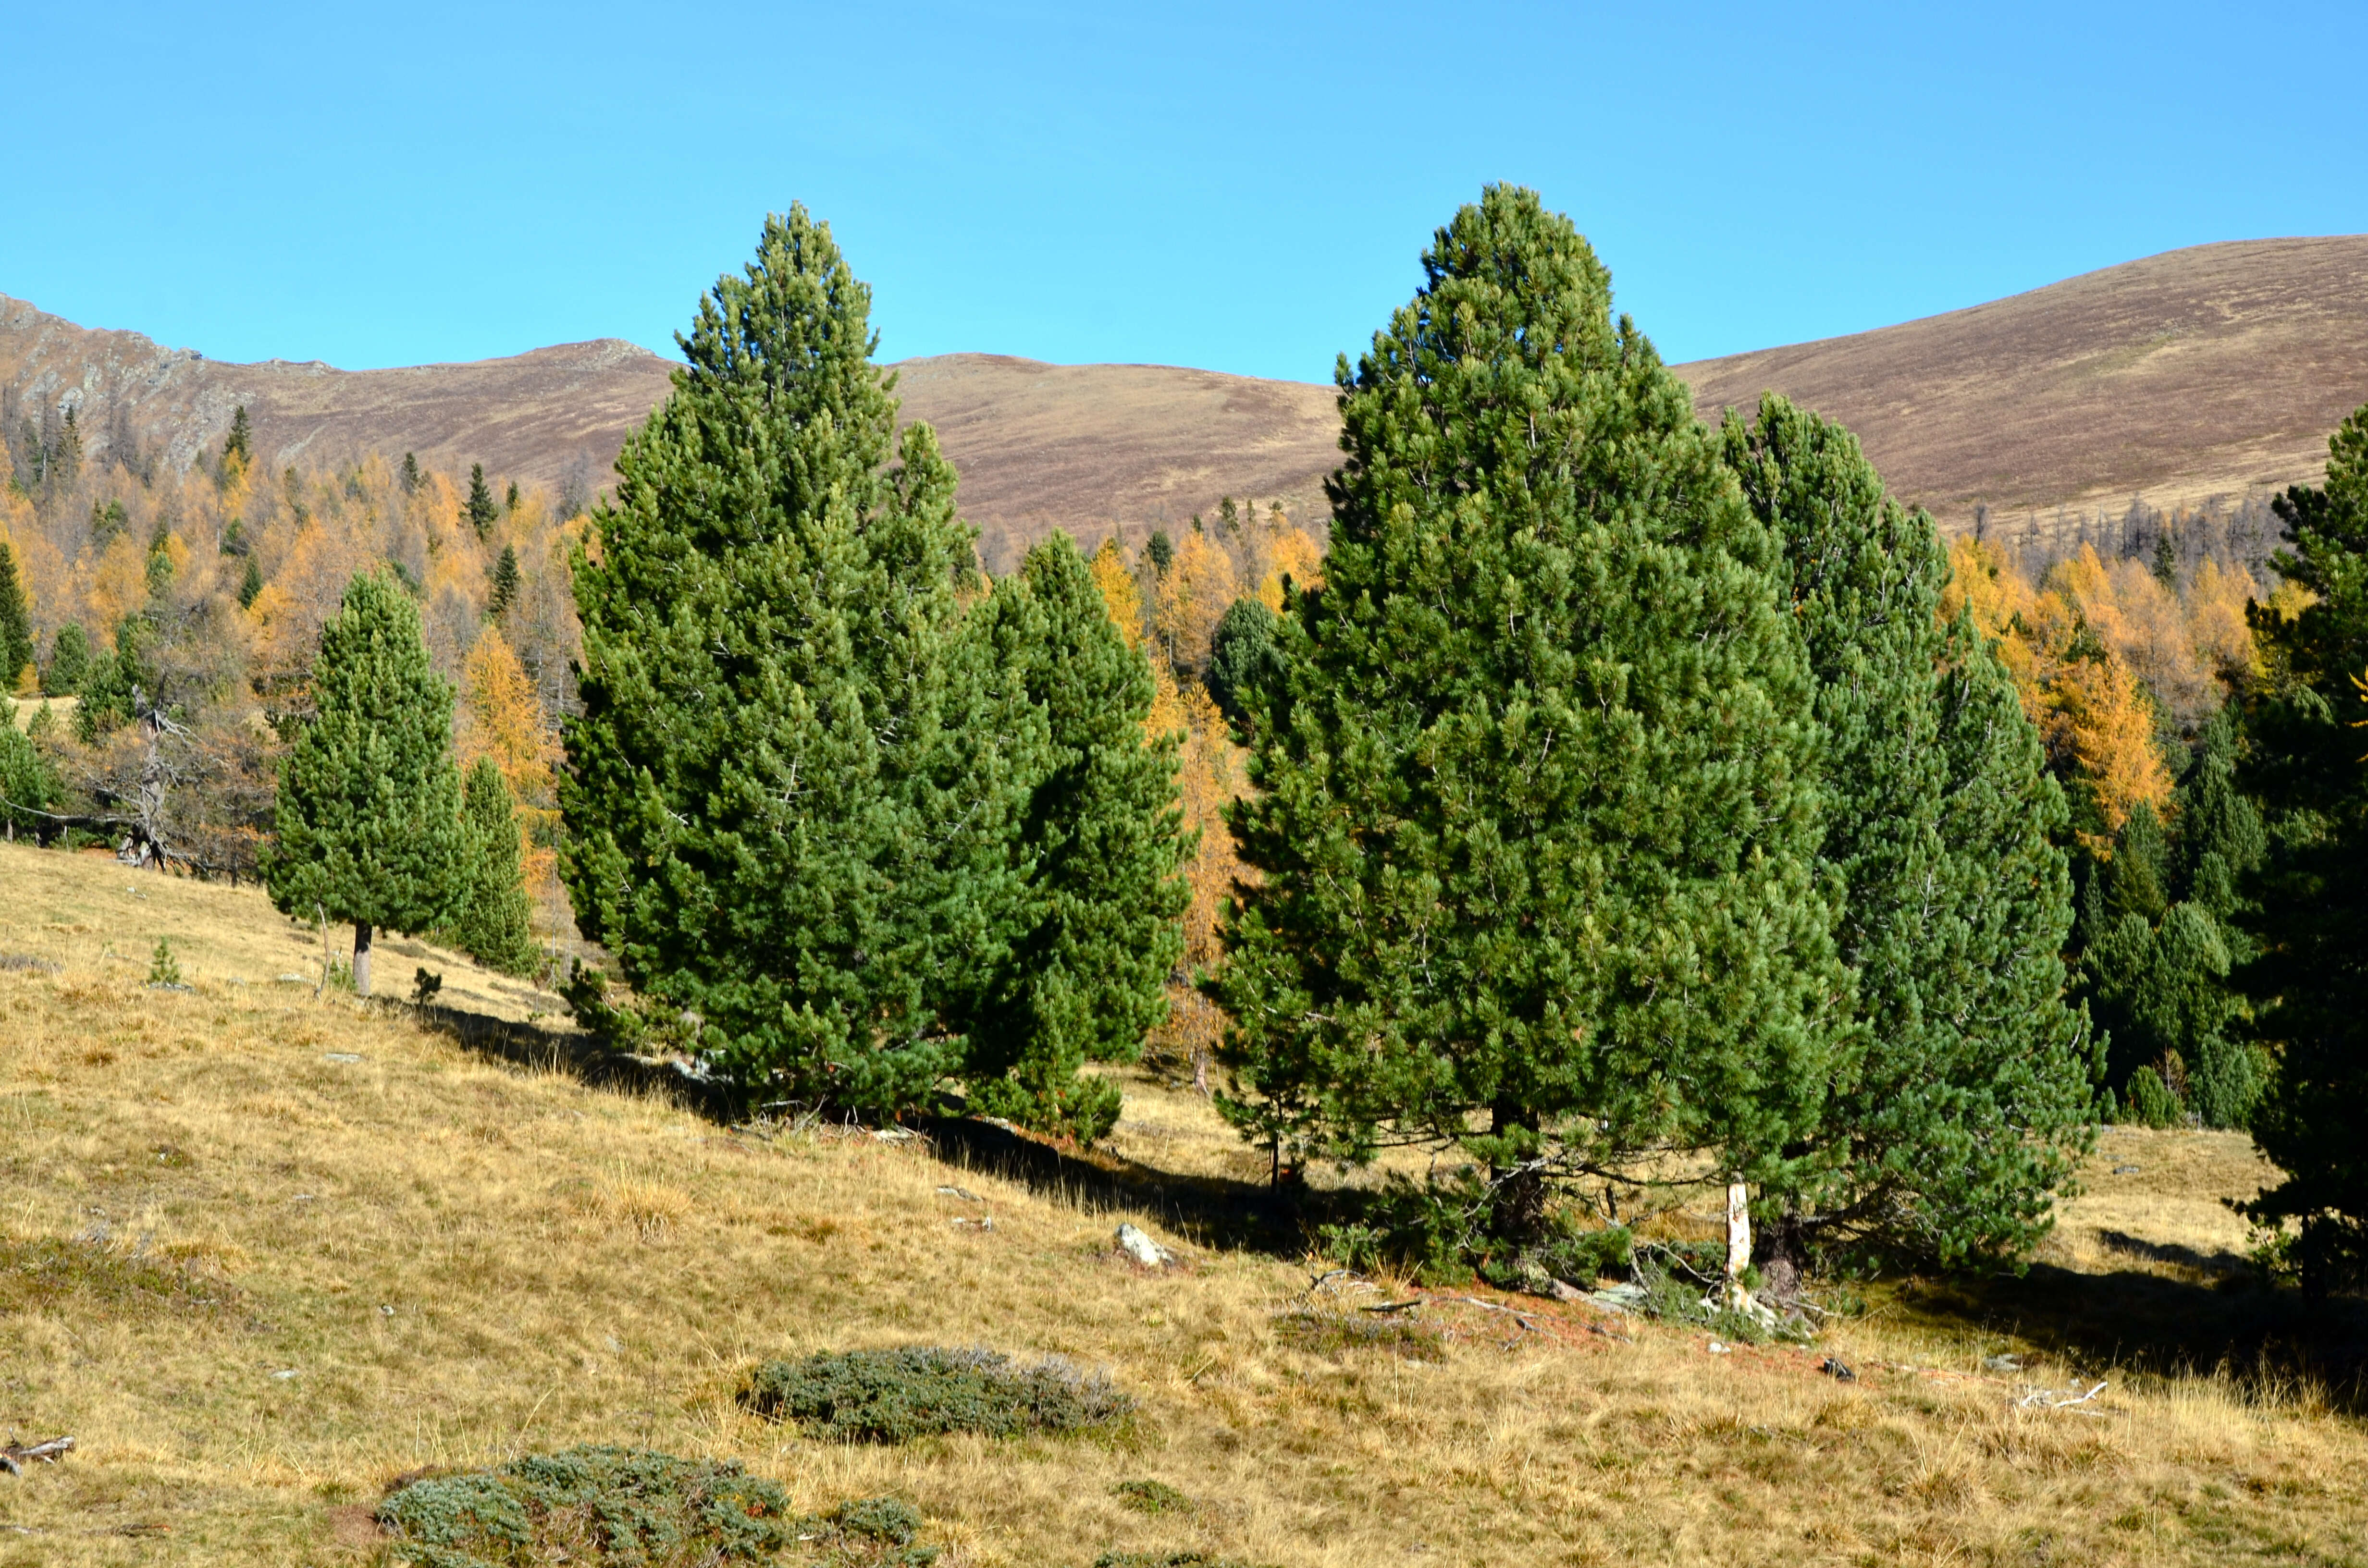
column 2196, row 372
column 1079, row 447
column 1038, row 445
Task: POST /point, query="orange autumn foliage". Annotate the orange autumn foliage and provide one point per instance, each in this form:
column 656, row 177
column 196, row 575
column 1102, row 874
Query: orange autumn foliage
column 500, row 717
column 2085, row 652
column 1121, row 595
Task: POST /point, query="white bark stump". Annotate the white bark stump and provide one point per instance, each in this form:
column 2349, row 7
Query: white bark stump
column 1738, row 1244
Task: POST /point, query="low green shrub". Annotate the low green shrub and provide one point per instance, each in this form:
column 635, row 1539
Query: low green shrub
column 897, row 1396
column 590, row 1506
column 1151, row 1497
column 2151, row 1103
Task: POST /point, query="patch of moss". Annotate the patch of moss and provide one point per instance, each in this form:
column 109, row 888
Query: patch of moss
column 86, row 1273
column 1151, row 1497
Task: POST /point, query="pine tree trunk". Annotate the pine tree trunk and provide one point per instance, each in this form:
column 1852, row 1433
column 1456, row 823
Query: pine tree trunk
column 362, row 958
column 1739, row 1243
column 1517, row 1214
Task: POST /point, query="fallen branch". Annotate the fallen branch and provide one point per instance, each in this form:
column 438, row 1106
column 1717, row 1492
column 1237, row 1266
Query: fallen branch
column 13, row 1454
column 1518, row 1317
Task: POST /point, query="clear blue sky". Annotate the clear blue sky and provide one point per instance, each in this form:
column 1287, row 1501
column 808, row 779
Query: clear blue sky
column 1244, row 187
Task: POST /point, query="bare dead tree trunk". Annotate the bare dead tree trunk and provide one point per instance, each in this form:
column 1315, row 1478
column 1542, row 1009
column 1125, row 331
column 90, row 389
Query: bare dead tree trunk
column 362, row 958
column 1739, row 1243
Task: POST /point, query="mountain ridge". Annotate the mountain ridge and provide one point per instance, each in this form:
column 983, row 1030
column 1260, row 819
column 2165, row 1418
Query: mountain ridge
column 2212, row 370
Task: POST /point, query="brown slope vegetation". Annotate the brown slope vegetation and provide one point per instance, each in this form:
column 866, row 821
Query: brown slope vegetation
column 2203, row 371
column 265, row 1254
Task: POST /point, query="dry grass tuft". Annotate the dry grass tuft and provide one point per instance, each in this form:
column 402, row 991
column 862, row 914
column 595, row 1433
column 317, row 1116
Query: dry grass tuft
column 262, row 1256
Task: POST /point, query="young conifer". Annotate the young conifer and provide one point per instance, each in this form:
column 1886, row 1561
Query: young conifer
column 480, row 509
column 1241, row 657
column 502, row 583
column 15, row 624
column 369, row 806
column 1536, row 822
column 795, row 779
column 238, row 447
column 69, row 661
column 1104, row 838
column 1969, row 1098
column 495, row 924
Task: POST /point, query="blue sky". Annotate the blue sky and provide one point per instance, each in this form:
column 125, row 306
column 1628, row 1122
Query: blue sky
column 1244, row 187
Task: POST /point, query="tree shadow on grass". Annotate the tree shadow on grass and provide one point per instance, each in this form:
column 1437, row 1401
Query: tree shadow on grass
column 2158, row 1325
column 589, row 1059
column 1210, row 1211
column 1207, row 1210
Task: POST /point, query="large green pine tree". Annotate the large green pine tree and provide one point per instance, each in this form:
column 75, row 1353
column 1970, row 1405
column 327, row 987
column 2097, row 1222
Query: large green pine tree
column 1103, row 837
column 1968, row 1104
column 2311, row 918
column 795, row 779
column 368, row 808
column 494, row 923
column 16, row 624
column 1535, row 817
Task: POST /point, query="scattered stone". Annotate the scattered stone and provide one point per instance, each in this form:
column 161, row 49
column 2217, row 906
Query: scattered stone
column 1563, row 1290
column 1626, row 1297
column 1838, row 1370
column 962, row 1192
column 1718, row 1349
column 2002, row 1363
column 284, row 1374
column 984, row 1223
column 295, row 979
column 386, row 1311
column 1139, row 1245
column 2125, row 1170
column 343, row 1058
column 169, row 985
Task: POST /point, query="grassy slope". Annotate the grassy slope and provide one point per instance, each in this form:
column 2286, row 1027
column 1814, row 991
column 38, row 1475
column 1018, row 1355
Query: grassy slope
column 458, row 1261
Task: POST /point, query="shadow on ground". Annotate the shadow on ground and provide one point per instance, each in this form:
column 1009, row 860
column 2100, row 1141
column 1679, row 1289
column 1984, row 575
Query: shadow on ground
column 2150, row 1322
column 1210, row 1211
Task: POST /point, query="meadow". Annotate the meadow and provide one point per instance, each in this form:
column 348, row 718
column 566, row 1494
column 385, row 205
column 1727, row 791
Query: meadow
column 263, row 1252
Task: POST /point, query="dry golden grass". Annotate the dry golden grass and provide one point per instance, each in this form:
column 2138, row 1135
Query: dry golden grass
column 259, row 1284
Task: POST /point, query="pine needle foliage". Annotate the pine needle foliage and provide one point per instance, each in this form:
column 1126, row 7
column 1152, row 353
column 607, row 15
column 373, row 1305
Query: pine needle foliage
column 1103, row 838
column 795, row 778
column 1536, row 820
column 503, row 583
column 496, row 923
column 481, row 509
column 16, row 624
column 1962, row 1105
column 369, row 806
column 2311, row 918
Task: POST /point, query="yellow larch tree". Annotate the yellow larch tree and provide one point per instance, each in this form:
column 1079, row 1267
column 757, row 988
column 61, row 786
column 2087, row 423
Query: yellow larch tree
column 1193, row 596
column 501, row 718
column 1120, row 593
